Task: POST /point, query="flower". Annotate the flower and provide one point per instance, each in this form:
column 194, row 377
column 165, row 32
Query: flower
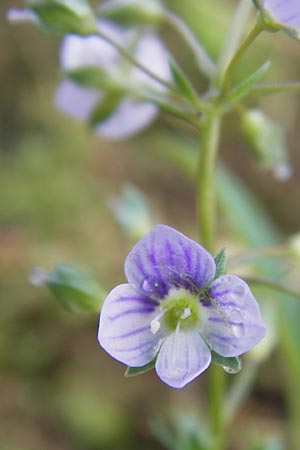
column 129, row 116
column 281, row 15
column 174, row 309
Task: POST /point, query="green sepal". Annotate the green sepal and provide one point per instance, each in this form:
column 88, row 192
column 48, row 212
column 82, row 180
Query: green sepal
column 220, row 260
column 230, row 365
column 64, row 16
column 181, row 81
column 91, row 77
column 105, row 108
column 74, row 288
column 133, row 371
column 242, row 89
column 133, row 12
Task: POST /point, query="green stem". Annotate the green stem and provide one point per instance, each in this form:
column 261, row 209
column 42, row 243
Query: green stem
column 216, row 387
column 203, row 60
column 232, row 39
column 224, row 84
column 123, row 52
column 206, row 202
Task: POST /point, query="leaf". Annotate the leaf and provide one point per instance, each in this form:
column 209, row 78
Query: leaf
column 133, row 12
column 230, row 365
column 220, row 260
column 104, row 108
column 91, row 77
column 64, row 16
column 134, row 371
column 181, row 81
column 242, row 89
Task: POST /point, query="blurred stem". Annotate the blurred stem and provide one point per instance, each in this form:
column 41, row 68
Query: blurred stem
column 261, row 89
column 203, row 60
column 240, row 388
column 224, row 83
column 233, row 36
column 216, row 387
column 126, row 54
column 206, row 201
column 273, row 285
column 258, row 252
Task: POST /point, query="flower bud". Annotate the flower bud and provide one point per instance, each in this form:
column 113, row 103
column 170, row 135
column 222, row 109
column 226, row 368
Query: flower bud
column 75, row 289
column 266, row 140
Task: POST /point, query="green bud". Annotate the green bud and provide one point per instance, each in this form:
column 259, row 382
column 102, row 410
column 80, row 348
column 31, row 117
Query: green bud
column 64, row 16
column 266, row 140
column 74, row 288
column 133, row 12
column 132, row 211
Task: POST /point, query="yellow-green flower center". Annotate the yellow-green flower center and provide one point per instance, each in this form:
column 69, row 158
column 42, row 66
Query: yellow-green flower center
column 181, row 308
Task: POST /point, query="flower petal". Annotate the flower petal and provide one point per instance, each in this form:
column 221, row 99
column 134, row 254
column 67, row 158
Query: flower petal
column 125, row 326
column 151, row 53
column 164, row 259
column 74, row 100
column 231, row 323
column 182, row 357
column 80, row 51
column 128, row 118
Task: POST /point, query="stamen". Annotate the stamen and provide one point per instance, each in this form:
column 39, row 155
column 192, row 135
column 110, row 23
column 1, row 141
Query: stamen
column 155, row 323
column 186, row 313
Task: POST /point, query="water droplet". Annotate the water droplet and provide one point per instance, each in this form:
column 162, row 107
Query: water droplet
column 240, row 291
column 231, row 370
column 148, row 285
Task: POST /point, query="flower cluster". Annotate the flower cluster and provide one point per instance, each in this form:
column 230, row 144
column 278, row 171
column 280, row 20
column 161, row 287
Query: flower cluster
column 176, row 310
column 128, row 116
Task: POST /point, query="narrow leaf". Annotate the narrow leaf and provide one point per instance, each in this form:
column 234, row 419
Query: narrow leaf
column 220, row 260
column 181, row 81
column 91, row 77
column 242, row 89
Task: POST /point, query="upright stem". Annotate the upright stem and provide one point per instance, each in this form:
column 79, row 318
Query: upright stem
column 206, row 207
column 224, row 83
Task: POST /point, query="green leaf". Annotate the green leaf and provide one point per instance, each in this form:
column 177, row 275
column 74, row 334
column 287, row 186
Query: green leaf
column 74, row 288
column 181, row 81
column 230, row 365
column 105, row 108
column 242, row 89
column 220, row 260
column 133, row 371
column 91, row 77
column 64, row 16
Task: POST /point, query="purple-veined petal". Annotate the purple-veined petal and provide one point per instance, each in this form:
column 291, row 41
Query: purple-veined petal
column 80, row 51
column 152, row 54
column 164, row 259
column 74, row 100
column 125, row 326
column 128, row 118
column 231, row 322
column 182, row 357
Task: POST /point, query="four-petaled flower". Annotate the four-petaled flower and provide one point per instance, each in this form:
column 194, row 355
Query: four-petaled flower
column 281, row 15
column 129, row 116
column 174, row 309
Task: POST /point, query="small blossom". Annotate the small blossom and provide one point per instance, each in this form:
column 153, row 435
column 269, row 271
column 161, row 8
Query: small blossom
column 281, row 15
column 130, row 116
column 173, row 309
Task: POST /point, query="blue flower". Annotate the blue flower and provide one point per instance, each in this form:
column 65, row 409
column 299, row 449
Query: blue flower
column 129, row 116
column 281, row 15
column 174, row 309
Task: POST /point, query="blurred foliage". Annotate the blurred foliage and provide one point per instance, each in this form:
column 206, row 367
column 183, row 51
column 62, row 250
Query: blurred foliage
column 58, row 390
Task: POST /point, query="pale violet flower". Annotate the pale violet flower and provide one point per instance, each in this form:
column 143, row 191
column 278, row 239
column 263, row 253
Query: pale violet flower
column 282, row 15
column 174, row 309
column 129, row 116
